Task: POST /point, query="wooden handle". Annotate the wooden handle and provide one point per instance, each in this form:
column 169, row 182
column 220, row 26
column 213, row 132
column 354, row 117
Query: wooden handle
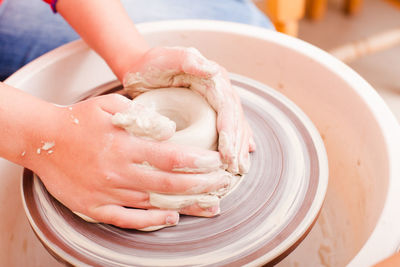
column 372, row 44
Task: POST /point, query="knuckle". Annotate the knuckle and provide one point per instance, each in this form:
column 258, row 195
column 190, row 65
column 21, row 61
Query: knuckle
column 111, row 218
column 98, row 214
column 117, row 98
column 177, row 159
column 166, row 184
column 103, row 214
column 120, row 222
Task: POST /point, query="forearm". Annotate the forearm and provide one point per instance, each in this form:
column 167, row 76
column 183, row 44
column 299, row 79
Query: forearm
column 106, row 27
column 25, row 121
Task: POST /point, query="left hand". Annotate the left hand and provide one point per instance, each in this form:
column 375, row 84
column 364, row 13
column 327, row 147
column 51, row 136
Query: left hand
column 98, row 170
column 162, row 67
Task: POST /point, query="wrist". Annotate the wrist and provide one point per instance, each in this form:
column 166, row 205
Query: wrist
column 38, row 135
column 23, row 120
column 107, row 29
column 126, row 61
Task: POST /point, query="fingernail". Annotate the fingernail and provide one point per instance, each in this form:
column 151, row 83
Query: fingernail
column 172, row 219
column 224, row 144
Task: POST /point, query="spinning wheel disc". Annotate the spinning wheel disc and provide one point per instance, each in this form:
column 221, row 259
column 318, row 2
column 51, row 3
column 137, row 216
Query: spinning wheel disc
column 263, row 218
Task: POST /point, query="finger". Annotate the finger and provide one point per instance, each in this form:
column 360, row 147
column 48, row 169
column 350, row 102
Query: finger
column 113, row 103
column 141, row 200
column 226, row 120
column 227, row 125
column 142, row 178
column 244, row 157
column 180, row 60
column 196, row 210
column 175, row 158
column 164, row 60
column 252, row 144
column 194, row 63
column 244, row 137
column 234, row 136
column 177, row 202
column 135, row 218
column 131, row 198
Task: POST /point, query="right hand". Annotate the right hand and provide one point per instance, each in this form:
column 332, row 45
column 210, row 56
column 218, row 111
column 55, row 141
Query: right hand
column 96, row 168
column 163, row 67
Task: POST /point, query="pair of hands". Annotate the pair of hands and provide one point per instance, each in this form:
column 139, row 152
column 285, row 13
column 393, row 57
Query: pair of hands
column 96, row 168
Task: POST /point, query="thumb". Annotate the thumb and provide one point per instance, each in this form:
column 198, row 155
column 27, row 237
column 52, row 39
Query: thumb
column 194, row 63
column 113, row 103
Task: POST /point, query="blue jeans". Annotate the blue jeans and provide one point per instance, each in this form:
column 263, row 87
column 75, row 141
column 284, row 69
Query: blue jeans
column 29, row 29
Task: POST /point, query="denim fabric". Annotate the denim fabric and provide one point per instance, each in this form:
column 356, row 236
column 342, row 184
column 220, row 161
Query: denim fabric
column 243, row 11
column 29, row 29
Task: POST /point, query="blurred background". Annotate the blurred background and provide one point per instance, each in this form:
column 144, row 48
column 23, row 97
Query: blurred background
column 363, row 33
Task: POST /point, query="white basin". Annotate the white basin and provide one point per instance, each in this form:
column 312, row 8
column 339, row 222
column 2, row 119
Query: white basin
column 358, row 224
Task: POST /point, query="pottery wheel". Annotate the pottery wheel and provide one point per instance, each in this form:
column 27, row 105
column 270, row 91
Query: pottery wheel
column 265, row 217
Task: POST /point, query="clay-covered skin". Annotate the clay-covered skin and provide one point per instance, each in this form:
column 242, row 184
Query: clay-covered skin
column 193, row 123
column 144, row 121
column 185, row 67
